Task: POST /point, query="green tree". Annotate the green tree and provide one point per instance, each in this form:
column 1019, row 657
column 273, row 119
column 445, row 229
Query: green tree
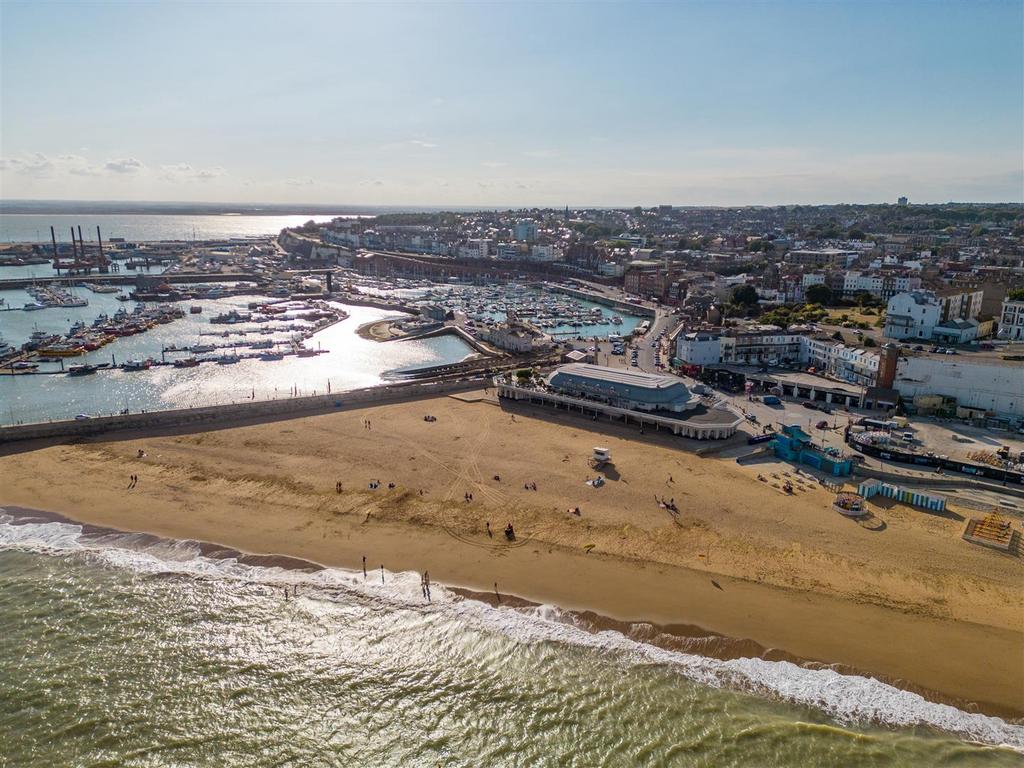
column 745, row 295
column 1016, row 295
column 818, row 294
column 855, row 234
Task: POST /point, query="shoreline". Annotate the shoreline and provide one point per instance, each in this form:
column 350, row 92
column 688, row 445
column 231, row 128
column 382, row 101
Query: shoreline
column 678, row 637
column 914, row 606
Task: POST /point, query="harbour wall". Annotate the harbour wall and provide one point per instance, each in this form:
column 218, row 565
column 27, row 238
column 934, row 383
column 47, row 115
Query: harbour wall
column 237, row 412
column 629, row 307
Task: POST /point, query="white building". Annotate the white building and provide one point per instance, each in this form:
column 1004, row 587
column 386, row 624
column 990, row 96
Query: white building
column 829, row 357
column 478, row 248
column 611, row 269
column 914, row 315
column 857, row 366
column 510, row 251
column 545, row 253
column 993, row 386
column 879, row 285
column 699, row 348
column 1011, row 320
column 812, row 278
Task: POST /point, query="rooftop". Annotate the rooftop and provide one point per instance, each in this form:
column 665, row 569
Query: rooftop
column 621, row 376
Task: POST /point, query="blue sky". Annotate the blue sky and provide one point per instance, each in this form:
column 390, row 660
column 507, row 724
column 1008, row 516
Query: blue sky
column 722, row 103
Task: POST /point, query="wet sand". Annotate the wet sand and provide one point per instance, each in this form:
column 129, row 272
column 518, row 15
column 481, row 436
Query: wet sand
column 912, row 602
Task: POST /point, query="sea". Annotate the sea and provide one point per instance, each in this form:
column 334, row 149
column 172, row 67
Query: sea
column 130, row 650
column 35, row 227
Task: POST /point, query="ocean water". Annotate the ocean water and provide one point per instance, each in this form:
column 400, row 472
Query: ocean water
column 127, row 650
column 35, row 227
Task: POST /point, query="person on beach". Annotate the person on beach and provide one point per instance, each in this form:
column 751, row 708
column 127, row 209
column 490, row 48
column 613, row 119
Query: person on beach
column 489, row 534
column 364, row 566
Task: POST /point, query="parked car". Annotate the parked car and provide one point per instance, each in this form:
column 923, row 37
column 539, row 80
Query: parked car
column 809, row 404
column 822, row 424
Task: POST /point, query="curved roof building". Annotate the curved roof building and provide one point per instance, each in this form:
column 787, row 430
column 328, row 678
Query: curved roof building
column 623, row 388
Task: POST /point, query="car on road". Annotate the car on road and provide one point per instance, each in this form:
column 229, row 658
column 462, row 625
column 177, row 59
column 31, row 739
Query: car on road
column 821, row 425
column 810, row 404
column 82, row 417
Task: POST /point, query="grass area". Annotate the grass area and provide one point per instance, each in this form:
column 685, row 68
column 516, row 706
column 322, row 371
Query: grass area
column 853, row 315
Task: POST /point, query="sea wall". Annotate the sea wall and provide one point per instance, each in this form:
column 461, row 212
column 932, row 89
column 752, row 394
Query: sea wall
column 629, row 307
column 292, row 407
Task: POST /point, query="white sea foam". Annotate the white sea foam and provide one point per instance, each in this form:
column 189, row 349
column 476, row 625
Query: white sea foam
column 846, row 698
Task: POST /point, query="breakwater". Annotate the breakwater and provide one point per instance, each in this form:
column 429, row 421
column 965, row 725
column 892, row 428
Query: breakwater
column 638, row 310
column 292, row 407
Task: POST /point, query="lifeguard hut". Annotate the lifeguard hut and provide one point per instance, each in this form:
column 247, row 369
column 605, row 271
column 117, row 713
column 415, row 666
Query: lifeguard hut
column 600, row 457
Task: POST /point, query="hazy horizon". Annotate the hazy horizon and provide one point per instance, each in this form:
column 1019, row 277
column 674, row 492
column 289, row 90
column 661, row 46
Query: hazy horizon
column 498, row 106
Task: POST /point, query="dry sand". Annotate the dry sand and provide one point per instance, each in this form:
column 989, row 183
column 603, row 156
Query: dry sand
column 912, row 603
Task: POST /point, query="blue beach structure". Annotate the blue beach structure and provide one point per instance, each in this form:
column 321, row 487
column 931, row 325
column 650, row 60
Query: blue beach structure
column 792, row 444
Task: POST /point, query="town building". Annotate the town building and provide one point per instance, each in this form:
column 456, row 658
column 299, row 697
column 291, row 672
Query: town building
column 512, row 337
column 524, row 230
column 635, row 391
column 699, row 348
column 915, row 314
column 881, row 285
column 1011, row 320
column 823, row 257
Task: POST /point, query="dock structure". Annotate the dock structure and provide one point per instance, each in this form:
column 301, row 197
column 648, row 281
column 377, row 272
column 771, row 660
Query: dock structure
column 629, row 307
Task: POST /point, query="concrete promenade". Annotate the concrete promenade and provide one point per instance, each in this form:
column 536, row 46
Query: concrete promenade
column 254, row 411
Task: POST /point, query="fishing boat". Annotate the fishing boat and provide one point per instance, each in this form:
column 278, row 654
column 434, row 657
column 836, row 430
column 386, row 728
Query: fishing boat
column 186, row 362
column 228, row 359
column 81, row 370
column 272, row 355
column 136, row 365
column 32, row 306
column 200, row 348
column 232, row 317
column 616, row 320
column 63, row 349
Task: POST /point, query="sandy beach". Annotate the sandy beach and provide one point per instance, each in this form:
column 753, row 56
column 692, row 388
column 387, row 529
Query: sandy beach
column 912, row 603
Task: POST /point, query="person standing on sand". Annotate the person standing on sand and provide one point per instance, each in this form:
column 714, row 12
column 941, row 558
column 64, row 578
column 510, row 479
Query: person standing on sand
column 489, row 534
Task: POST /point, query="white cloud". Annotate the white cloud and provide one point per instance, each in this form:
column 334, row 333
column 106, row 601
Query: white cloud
column 299, row 182
column 124, row 165
column 34, row 164
column 423, row 144
column 178, row 172
column 493, row 164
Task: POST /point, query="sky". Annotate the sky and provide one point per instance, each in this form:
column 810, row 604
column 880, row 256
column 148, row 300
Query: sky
column 510, row 104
